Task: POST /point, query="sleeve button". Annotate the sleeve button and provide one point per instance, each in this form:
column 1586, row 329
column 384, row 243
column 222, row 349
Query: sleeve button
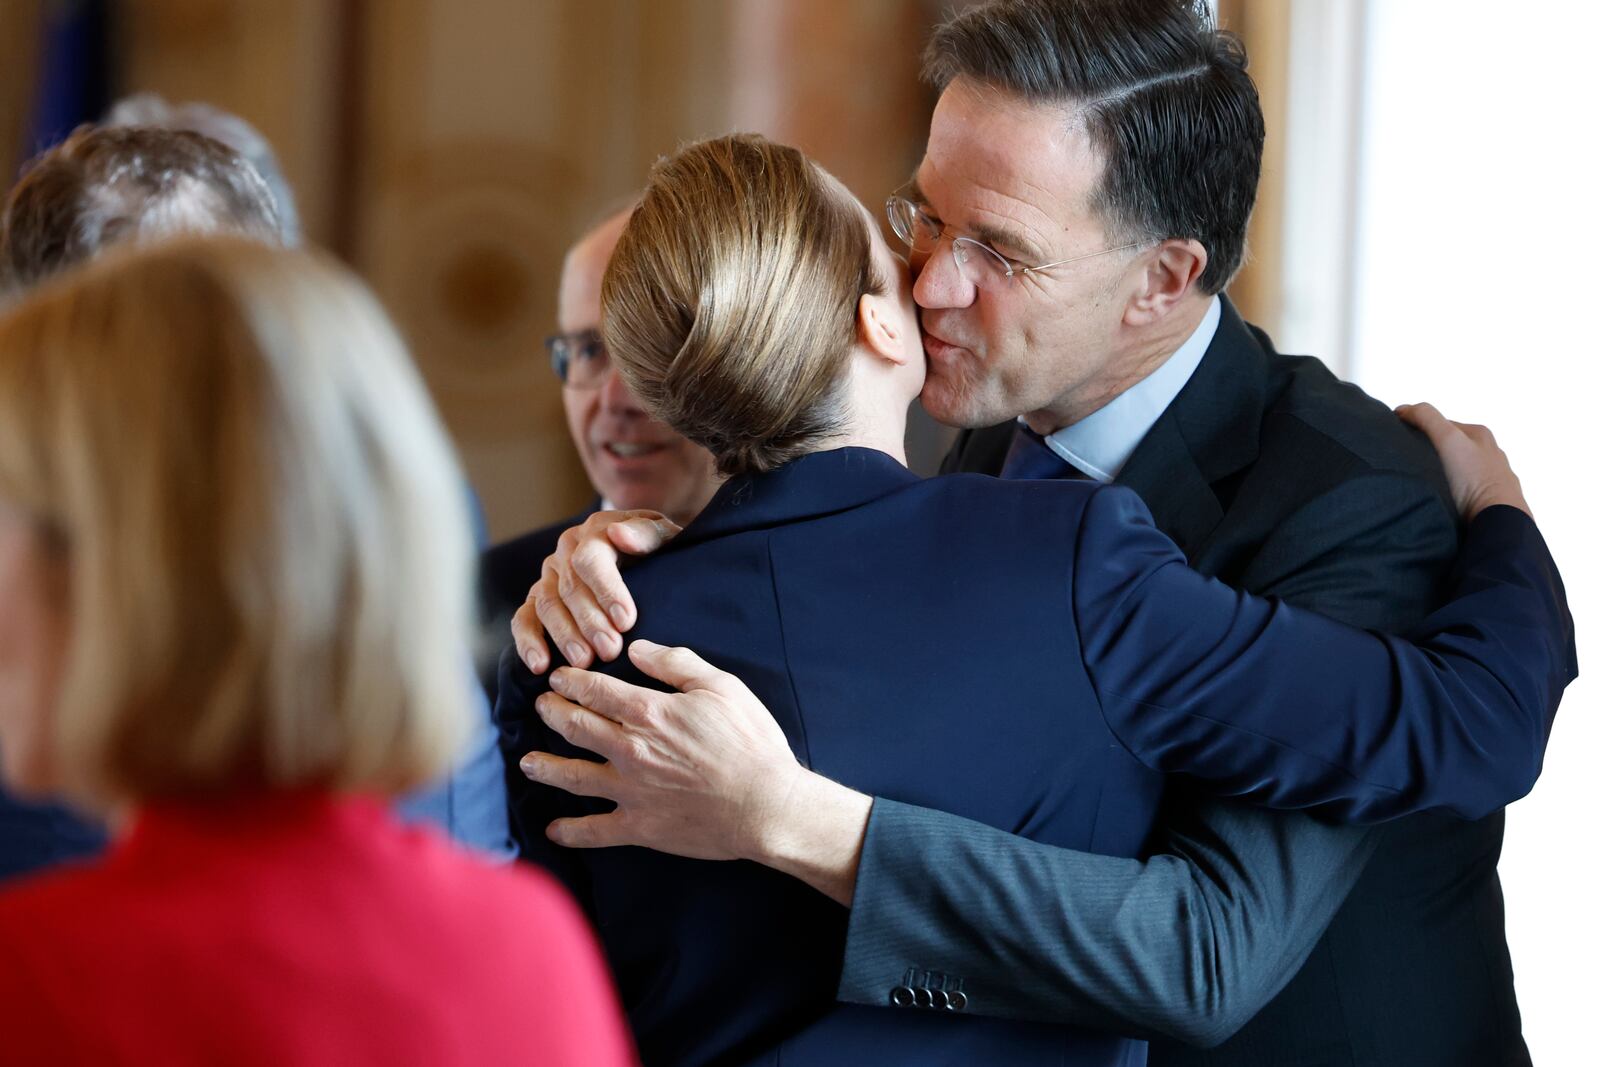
column 956, row 1001
column 924, row 999
column 940, row 1001
column 901, row 997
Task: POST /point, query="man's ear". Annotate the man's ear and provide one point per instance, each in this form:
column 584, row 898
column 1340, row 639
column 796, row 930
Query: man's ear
column 880, row 329
column 1171, row 273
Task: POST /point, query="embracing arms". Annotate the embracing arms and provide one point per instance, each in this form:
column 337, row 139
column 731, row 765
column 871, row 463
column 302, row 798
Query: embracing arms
column 1295, row 710
column 1252, row 891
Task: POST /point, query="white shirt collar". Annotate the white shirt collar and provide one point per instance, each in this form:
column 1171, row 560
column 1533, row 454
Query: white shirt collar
column 1100, row 444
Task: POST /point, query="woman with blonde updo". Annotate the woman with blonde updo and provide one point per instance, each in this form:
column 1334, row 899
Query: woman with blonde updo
column 1033, row 655
column 234, row 574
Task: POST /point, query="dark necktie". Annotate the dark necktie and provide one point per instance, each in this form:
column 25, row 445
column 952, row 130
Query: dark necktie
column 1030, row 457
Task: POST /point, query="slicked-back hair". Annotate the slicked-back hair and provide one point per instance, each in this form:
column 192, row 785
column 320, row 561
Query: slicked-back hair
column 730, row 300
column 105, row 185
column 1164, row 95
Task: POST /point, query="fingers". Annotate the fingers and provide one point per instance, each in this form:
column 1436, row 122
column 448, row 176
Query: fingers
column 528, row 634
column 1440, row 430
column 1480, row 475
column 643, row 534
column 557, row 621
column 591, row 831
column 619, row 701
column 580, row 726
column 1426, row 418
column 680, row 668
column 580, row 777
column 591, row 585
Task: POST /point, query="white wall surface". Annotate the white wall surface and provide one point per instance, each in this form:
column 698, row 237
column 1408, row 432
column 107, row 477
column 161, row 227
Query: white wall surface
column 1475, row 256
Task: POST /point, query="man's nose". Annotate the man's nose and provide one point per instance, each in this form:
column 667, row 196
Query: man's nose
column 937, row 281
column 615, row 396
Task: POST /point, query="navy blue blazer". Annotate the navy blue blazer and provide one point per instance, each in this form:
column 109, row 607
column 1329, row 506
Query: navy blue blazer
column 1032, row 655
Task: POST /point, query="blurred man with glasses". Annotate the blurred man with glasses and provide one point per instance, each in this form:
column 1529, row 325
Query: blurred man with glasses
column 633, row 461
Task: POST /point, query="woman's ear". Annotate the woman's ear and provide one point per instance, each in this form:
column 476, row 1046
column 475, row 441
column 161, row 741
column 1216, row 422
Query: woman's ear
column 880, row 329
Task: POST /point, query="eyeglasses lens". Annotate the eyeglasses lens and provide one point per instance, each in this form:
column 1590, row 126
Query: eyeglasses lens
column 579, row 359
column 979, row 264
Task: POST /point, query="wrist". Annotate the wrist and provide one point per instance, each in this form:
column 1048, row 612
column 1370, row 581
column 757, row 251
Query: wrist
column 1509, row 495
column 814, row 833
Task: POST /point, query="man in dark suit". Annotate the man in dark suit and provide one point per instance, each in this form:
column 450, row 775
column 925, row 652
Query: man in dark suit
column 1065, row 133
column 632, row 460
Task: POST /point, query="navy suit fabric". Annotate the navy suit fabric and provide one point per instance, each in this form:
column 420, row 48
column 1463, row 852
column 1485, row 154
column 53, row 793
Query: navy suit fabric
column 36, row 836
column 1043, row 689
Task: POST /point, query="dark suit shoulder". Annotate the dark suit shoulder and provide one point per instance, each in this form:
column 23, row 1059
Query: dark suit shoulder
column 1337, row 423
column 979, row 451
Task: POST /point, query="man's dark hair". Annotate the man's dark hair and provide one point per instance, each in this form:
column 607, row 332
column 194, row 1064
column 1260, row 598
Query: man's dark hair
column 1164, row 94
column 105, row 185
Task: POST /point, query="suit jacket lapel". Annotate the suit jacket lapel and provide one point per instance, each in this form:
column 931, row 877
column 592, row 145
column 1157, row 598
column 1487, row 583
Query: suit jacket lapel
column 1212, row 430
column 980, row 451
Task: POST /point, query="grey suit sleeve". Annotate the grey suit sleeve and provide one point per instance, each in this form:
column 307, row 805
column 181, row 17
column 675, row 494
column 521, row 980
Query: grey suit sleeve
column 1194, row 941
column 1189, row 944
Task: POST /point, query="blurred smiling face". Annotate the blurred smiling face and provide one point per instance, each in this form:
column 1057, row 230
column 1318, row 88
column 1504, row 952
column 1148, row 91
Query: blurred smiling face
column 632, row 460
column 32, row 648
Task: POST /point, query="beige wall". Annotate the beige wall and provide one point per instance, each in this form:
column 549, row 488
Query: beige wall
column 494, row 132
column 1263, row 25
column 269, row 62
column 19, row 27
column 451, row 149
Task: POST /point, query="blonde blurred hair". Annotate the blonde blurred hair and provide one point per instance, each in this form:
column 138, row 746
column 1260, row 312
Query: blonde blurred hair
column 730, row 302
column 263, row 527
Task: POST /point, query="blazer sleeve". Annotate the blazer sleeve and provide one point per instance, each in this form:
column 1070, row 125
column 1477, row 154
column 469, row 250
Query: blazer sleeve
column 1188, row 944
column 1191, row 943
column 1293, row 710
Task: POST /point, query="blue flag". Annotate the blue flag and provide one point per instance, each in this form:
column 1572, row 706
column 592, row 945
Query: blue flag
column 74, row 75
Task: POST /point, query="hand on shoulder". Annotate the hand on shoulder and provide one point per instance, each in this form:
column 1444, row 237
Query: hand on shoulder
column 1480, row 475
column 580, row 598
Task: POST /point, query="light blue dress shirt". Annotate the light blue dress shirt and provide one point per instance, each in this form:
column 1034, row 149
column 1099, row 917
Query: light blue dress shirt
column 1100, row 444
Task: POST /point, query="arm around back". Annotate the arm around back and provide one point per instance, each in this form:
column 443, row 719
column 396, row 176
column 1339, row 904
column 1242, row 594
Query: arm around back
column 1294, row 710
column 1188, row 944
column 1193, row 942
